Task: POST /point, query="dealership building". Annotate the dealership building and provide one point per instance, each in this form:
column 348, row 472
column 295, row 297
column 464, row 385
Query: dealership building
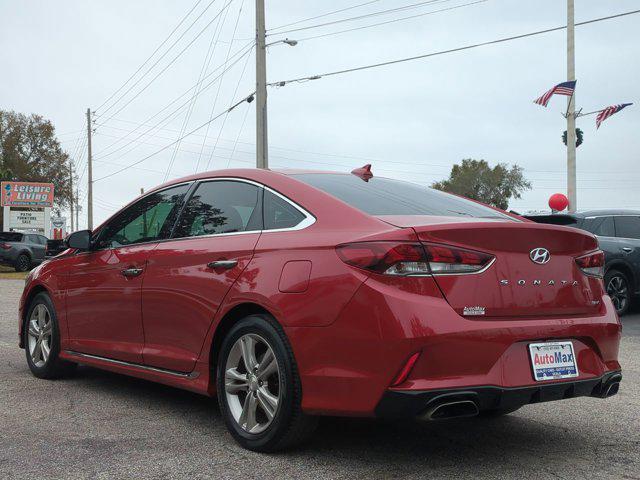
column 27, row 207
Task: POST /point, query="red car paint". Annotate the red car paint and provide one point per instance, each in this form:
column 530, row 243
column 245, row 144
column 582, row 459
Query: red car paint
column 352, row 331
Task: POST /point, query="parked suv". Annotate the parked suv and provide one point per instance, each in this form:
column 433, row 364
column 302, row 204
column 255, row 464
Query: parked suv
column 22, row 250
column 618, row 232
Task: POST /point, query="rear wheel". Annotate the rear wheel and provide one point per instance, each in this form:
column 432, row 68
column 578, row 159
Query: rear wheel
column 42, row 340
column 23, row 263
column 618, row 288
column 259, row 389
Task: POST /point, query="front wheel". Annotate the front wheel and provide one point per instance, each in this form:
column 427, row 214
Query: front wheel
column 619, row 290
column 259, row 389
column 42, row 340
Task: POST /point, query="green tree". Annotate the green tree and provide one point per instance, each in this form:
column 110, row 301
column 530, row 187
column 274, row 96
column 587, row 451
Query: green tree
column 495, row 186
column 30, row 152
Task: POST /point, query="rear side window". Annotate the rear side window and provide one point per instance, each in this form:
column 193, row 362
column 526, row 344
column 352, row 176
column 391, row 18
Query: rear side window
column 220, row 207
column 10, row 237
column 278, row 213
column 602, row 226
column 383, row 196
column 32, row 239
column 627, row 227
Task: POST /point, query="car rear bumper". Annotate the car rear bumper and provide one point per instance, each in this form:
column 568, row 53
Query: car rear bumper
column 416, row 403
column 352, row 366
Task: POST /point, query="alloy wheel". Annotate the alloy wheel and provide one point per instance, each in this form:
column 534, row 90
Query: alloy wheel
column 252, row 383
column 618, row 290
column 40, row 332
column 23, row 263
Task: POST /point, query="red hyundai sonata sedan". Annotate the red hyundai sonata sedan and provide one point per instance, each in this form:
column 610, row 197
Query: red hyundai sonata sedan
column 297, row 294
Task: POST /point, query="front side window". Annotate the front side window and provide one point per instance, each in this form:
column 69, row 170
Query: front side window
column 149, row 219
column 602, row 226
column 221, row 206
column 627, row 227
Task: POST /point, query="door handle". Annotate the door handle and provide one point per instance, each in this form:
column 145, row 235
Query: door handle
column 226, row 264
column 627, row 249
column 131, row 272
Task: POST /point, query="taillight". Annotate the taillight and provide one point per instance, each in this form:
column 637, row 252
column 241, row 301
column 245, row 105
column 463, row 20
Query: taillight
column 5, row 246
column 390, row 258
column 592, row 264
column 397, row 258
column 444, row 259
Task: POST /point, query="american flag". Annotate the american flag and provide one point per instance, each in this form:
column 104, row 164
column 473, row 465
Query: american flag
column 564, row 88
column 607, row 112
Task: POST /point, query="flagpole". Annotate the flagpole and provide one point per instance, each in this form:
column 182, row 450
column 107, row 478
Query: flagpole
column 590, row 113
column 571, row 118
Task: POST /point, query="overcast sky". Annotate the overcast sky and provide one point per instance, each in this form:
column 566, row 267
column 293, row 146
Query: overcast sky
column 411, row 120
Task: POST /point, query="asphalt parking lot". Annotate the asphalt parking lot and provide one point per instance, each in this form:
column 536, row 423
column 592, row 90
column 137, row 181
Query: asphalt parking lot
column 102, row 425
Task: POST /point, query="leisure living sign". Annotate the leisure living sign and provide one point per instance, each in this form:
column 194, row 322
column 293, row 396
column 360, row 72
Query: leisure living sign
column 26, row 206
column 27, row 194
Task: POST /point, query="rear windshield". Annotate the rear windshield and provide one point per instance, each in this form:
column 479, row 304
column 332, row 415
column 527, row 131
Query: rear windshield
column 10, row 237
column 383, row 196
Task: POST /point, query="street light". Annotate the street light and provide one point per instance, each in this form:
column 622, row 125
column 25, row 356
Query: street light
column 291, row 43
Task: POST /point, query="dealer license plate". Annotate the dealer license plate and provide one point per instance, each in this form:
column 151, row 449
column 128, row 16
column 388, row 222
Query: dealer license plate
column 553, row 360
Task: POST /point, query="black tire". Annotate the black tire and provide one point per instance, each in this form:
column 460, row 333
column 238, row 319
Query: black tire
column 289, row 426
column 23, row 263
column 618, row 288
column 498, row 412
column 53, row 367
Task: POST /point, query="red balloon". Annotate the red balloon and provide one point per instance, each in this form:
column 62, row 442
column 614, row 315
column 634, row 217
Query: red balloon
column 558, row 202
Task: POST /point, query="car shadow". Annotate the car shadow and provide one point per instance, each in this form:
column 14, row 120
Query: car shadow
column 359, row 442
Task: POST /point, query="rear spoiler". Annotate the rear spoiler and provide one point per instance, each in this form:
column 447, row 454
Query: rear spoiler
column 554, row 219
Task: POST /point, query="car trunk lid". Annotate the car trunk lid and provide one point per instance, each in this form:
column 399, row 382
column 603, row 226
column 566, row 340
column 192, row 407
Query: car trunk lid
column 513, row 285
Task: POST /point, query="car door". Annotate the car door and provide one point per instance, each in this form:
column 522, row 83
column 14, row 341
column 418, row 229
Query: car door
column 36, row 246
column 628, row 233
column 188, row 277
column 103, row 290
column 603, row 227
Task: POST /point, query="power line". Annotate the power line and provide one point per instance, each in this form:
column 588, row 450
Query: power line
column 235, row 144
column 161, row 57
column 178, row 109
column 170, row 63
column 152, row 55
column 361, row 17
column 245, row 99
column 215, row 101
column 175, row 100
column 304, row 39
column 324, row 15
column 342, row 157
column 224, row 121
column 443, row 52
column 182, row 150
column 205, row 66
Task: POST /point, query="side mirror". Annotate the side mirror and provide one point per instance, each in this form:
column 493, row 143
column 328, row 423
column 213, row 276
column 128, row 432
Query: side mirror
column 79, row 240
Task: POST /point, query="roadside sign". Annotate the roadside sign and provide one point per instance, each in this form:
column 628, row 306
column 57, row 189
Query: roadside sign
column 26, row 194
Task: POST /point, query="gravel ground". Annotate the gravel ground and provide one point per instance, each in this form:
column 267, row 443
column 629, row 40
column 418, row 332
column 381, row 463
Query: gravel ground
column 102, row 425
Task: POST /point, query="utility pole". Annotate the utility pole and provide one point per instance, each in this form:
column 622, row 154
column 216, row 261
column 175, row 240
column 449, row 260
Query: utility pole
column 90, row 174
column 77, row 209
column 262, row 147
column 71, row 189
column 571, row 118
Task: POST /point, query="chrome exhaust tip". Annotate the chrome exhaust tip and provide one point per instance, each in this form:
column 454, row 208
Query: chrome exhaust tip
column 611, row 389
column 452, row 409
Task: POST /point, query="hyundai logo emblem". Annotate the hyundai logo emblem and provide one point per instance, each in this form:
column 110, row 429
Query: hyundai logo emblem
column 540, row 256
